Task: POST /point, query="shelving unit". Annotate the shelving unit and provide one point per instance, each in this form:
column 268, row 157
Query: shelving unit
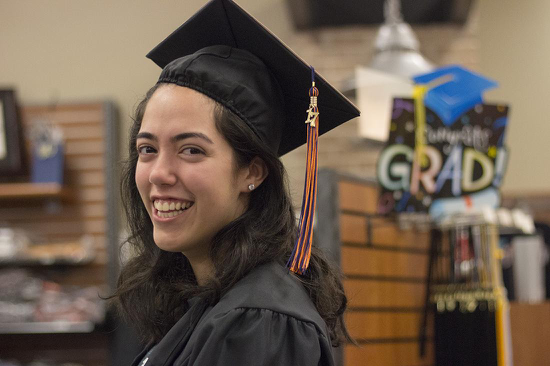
column 385, row 272
column 10, row 191
column 47, row 327
column 27, row 262
column 85, row 205
column 529, row 322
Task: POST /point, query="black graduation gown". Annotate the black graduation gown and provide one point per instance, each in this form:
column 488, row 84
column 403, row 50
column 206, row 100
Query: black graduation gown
column 267, row 318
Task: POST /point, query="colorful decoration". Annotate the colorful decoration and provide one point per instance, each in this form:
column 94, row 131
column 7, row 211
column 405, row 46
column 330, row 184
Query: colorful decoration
column 471, row 309
column 48, row 153
column 445, row 153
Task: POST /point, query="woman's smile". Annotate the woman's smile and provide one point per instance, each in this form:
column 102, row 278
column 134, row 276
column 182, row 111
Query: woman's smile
column 169, row 208
column 182, row 160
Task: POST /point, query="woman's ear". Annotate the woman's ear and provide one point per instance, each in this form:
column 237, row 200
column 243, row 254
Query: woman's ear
column 255, row 174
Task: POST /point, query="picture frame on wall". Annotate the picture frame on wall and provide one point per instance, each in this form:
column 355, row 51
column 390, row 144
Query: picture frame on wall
column 11, row 144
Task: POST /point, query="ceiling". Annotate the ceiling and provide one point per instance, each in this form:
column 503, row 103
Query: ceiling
column 307, row 14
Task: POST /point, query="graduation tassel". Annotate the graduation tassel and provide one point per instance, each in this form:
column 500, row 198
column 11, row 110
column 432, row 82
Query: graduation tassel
column 299, row 259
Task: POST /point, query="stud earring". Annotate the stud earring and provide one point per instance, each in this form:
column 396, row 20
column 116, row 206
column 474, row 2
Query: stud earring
column 251, row 187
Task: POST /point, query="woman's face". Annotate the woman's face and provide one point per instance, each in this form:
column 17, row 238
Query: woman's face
column 186, row 174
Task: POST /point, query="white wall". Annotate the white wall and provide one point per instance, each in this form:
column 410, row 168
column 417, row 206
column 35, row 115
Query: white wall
column 515, row 51
column 76, row 50
column 79, row 50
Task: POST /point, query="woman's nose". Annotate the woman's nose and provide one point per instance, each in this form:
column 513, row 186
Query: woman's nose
column 162, row 172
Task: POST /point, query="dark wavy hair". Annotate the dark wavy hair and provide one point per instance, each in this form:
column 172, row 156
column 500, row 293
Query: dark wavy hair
column 154, row 284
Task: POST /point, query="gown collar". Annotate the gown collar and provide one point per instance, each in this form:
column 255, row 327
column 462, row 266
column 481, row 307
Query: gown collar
column 167, row 350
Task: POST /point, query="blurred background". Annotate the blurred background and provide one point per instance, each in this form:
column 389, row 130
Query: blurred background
column 81, row 65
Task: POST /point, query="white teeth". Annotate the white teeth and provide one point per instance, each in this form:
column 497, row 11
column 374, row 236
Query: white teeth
column 169, row 214
column 170, row 209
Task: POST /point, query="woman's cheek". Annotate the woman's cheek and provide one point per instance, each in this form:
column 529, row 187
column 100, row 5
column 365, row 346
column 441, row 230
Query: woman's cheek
column 139, row 177
column 197, row 177
column 142, row 181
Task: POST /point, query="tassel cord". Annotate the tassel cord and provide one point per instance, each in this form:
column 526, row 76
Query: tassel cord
column 301, row 254
column 303, row 264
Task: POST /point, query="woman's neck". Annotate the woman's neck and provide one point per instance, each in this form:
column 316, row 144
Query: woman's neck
column 203, row 269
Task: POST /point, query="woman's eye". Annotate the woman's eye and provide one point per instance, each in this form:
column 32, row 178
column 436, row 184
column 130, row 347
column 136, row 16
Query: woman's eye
column 146, row 150
column 192, row 151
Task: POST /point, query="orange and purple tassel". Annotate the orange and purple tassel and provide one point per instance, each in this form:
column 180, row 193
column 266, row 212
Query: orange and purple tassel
column 299, row 259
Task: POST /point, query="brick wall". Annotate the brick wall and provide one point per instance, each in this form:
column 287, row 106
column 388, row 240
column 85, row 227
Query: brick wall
column 335, row 52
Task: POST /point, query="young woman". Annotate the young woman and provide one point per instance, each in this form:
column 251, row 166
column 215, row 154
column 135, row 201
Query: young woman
column 212, row 224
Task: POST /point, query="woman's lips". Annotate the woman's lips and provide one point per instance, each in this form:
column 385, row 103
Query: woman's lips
column 167, row 205
column 167, row 210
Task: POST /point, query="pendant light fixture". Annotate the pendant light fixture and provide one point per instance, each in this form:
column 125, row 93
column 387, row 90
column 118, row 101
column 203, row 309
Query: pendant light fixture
column 396, row 46
column 396, row 60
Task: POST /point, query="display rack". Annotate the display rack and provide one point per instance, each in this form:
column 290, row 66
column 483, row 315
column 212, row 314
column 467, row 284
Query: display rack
column 10, row 191
column 47, row 327
column 384, row 268
column 85, row 205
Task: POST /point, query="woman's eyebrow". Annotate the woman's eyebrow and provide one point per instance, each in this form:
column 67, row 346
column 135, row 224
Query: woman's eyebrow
column 187, row 135
column 178, row 137
column 146, row 135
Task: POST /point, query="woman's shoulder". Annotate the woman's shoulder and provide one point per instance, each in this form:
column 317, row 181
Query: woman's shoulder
column 271, row 287
column 267, row 318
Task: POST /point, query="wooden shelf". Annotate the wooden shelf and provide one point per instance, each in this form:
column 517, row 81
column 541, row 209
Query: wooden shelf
column 47, row 327
column 530, row 333
column 44, row 262
column 32, row 190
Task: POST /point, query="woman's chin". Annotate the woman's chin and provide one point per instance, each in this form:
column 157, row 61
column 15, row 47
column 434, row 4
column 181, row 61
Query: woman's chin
column 169, row 244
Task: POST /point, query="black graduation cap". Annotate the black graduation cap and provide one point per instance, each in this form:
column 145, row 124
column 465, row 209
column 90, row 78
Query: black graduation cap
column 216, row 52
column 224, row 53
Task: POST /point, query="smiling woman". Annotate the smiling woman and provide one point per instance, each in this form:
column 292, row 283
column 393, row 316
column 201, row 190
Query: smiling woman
column 210, row 216
column 183, row 160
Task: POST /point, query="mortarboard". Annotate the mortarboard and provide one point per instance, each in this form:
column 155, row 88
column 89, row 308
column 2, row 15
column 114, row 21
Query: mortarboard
column 224, row 53
column 455, row 96
column 222, row 22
